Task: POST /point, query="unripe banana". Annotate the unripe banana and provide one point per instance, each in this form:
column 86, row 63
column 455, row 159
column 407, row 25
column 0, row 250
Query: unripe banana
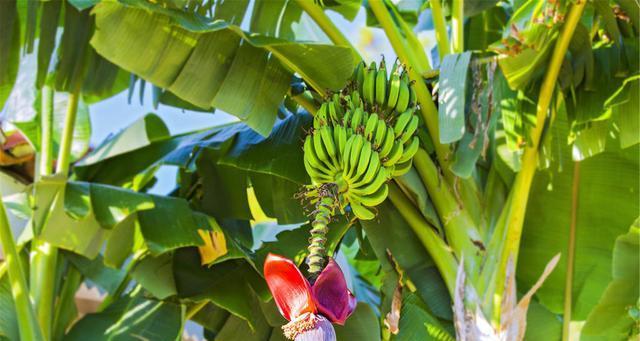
column 381, row 131
column 401, row 122
column 401, row 168
column 361, row 212
column 316, row 175
column 333, row 111
column 321, row 152
column 356, row 147
column 369, row 87
column 381, row 85
column 375, row 198
column 327, row 140
column 346, row 154
column 340, row 137
column 403, row 96
column 356, row 100
column 372, row 170
column 363, row 161
column 356, row 119
column 310, row 155
column 410, row 150
column 394, row 155
column 370, row 127
column 387, row 145
column 410, row 129
column 394, row 90
column 370, row 187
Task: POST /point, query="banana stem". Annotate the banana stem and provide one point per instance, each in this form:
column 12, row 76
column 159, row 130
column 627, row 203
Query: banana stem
column 571, row 254
column 46, row 145
column 427, row 106
column 305, row 100
column 319, row 229
column 44, row 255
column 460, row 230
column 328, row 27
column 520, row 191
column 437, row 248
column 27, row 322
column 440, row 25
column 512, row 216
column 457, row 26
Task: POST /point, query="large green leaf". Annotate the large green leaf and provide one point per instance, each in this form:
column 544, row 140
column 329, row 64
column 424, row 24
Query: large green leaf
column 246, row 66
column 416, row 323
column 607, row 204
column 132, row 318
column 611, row 319
column 84, row 215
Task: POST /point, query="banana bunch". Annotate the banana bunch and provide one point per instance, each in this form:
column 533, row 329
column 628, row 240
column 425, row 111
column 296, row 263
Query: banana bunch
column 360, row 150
column 382, row 92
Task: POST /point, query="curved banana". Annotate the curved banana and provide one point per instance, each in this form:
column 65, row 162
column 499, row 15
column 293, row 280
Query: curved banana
column 371, row 187
column 394, row 155
column 361, row 212
column 401, row 168
column 326, row 133
column 403, row 96
column 376, row 198
column 381, row 132
column 410, row 150
column 369, row 86
column 356, row 119
column 372, row 170
column 387, row 145
column 371, row 126
column 410, row 129
column 356, row 148
column 401, row 122
column 363, row 162
column 381, row 84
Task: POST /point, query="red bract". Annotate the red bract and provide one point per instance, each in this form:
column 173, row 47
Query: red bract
column 295, row 297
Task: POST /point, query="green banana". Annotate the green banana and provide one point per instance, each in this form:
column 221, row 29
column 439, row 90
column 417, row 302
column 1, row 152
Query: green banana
column 371, row 187
column 410, row 129
column 316, row 175
column 361, row 212
column 410, row 150
column 370, row 127
column 387, row 145
column 363, row 162
column 356, row 147
column 357, row 118
column 346, row 154
column 376, row 198
column 310, row 154
column 321, row 152
column 340, row 137
column 401, row 168
column 401, row 122
column 369, row 86
column 403, row 95
column 394, row 155
column 412, row 95
column 394, row 90
column 381, row 84
column 381, row 132
column 327, row 140
column 372, row 170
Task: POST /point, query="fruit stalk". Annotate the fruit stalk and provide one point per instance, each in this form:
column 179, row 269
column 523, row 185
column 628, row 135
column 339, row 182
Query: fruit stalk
column 319, row 228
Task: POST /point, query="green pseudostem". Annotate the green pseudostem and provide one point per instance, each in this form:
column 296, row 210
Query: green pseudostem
column 325, row 207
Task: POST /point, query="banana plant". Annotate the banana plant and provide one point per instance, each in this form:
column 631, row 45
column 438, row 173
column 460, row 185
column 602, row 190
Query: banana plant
column 479, row 187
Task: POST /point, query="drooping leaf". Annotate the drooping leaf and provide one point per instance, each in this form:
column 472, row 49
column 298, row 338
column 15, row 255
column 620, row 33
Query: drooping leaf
column 94, row 269
column 8, row 316
column 247, row 66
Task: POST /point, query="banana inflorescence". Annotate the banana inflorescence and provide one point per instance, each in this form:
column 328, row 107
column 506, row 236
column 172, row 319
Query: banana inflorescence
column 361, row 138
column 364, row 136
